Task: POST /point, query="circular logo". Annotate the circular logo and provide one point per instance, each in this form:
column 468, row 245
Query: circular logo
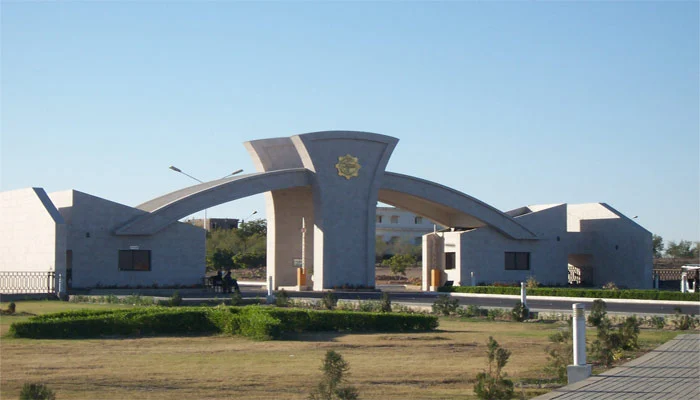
column 348, row 166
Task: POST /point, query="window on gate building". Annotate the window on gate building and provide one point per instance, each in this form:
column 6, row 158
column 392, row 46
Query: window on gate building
column 379, row 219
column 517, row 260
column 134, row 260
column 394, row 219
column 418, row 220
column 450, row 260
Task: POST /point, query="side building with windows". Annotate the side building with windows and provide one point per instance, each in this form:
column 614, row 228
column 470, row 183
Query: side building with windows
column 580, row 244
column 75, row 238
column 395, row 225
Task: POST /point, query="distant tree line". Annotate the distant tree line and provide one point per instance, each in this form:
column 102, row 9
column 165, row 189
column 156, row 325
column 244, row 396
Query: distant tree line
column 682, row 249
column 245, row 247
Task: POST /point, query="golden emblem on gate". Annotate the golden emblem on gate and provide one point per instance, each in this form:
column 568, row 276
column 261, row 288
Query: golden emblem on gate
column 348, row 166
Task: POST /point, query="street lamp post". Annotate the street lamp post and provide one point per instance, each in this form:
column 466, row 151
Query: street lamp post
column 176, row 169
column 243, row 220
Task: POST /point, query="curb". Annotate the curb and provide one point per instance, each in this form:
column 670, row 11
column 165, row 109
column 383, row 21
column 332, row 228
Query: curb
column 576, row 299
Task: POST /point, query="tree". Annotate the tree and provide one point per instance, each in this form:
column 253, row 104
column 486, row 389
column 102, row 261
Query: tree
column 682, row 249
column 492, row 384
column 254, row 227
column 331, row 387
column 657, row 245
column 399, row 262
column 220, row 259
column 248, row 244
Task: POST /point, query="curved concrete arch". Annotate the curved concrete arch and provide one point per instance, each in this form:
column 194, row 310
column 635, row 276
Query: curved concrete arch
column 446, row 206
column 171, row 207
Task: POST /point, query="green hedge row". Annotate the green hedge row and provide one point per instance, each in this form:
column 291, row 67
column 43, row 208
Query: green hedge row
column 259, row 323
column 574, row 292
column 82, row 324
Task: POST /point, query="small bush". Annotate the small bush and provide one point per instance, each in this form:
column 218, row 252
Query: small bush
column 445, row 305
column 560, row 353
column 175, row 300
column 385, row 302
column 236, row 298
column 36, row 391
column 494, row 313
column 329, row 301
column 598, row 312
column 492, row 384
column 282, row 298
column 657, row 322
column 609, row 344
column 11, row 308
column 520, row 312
column 471, row 311
column 610, row 286
column 683, row 322
column 531, row 282
column 332, row 386
column 629, row 333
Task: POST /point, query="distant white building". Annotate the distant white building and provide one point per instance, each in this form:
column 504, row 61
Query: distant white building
column 580, row 243
column 395, row 225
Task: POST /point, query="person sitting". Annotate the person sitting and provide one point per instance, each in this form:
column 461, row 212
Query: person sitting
column 217, row 281
column 230, row 282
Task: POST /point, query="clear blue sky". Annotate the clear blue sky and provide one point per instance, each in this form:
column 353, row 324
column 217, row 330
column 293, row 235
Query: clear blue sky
column 511, row 103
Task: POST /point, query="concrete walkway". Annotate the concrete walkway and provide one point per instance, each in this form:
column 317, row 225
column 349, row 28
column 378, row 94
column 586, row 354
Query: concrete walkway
column 671, row 371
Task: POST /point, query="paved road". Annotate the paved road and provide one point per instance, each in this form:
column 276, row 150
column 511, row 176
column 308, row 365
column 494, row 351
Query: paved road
column 427, row 299
column 670, row 372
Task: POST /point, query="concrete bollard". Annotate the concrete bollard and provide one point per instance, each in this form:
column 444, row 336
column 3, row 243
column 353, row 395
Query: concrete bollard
column 579, row 370
column 523, row 295
column 684, row 282
column 270, row 293
column 656, row 281
column 473, row 279
column 61, row 286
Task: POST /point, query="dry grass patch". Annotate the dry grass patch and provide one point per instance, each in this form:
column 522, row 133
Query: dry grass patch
column 432, row 365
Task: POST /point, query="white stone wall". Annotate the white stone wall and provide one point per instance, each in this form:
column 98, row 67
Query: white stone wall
column 621, row 249
column 177, row 252
column 32, row 232
column 483, row 250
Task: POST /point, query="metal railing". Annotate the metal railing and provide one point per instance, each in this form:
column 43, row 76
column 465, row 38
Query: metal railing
column 21, row 282
column 672, row 274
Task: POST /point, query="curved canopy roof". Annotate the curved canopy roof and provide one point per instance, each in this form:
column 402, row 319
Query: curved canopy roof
column 439, row 203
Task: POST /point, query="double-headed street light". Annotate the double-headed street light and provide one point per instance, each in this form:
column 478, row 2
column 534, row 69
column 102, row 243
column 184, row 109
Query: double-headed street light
column 176, row 169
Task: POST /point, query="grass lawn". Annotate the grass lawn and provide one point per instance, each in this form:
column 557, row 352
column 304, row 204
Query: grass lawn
column 432, row 365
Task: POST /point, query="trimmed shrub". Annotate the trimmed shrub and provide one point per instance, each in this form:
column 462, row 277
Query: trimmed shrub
column 11, row 308
column 36, row 391
column 255, row 322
